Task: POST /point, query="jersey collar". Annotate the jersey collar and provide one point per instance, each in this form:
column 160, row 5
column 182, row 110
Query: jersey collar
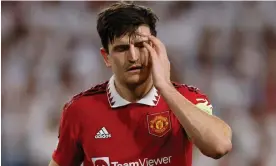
column 115, row 100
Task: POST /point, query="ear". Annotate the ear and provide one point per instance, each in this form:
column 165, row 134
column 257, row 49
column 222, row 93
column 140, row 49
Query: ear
column 106, row 58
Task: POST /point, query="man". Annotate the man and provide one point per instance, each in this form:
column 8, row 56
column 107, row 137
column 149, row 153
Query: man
column 139, row 117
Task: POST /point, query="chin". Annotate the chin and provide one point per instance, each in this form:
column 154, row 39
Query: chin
column 135, row 79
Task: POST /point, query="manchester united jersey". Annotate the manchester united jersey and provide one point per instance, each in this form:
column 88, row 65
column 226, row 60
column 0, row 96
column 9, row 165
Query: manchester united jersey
column 100, row 128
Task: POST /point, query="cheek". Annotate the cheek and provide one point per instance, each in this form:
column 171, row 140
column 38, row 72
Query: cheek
column 117, row 62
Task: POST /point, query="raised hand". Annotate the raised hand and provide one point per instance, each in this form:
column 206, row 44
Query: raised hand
column 160, row 62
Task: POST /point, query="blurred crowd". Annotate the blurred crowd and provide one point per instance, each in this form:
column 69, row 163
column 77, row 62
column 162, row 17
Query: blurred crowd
column 50, row 52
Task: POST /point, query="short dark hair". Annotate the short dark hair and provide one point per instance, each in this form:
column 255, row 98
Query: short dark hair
column 123, row 18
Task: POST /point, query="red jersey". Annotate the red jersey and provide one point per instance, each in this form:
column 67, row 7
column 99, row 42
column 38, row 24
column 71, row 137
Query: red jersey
column 99, row 128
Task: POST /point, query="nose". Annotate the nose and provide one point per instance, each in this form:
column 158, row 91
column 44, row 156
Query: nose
column 133, row 55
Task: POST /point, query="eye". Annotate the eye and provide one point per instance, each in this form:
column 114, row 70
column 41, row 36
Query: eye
column 121, row 48
column 139, row 45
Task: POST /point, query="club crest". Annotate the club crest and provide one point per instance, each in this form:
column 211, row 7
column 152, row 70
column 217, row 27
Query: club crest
column 159, row 123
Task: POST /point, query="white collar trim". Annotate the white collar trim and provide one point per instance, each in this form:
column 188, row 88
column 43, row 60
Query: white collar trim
column 115, row 100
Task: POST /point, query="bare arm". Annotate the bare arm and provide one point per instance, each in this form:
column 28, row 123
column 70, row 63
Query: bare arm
column 209, row 133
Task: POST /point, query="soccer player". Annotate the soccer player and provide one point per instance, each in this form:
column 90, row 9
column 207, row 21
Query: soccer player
column 139, row 117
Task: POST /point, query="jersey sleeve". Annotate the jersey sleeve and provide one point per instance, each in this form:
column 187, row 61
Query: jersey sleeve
column 202, row 102
column 68, row 151
column 196, row 97
column 199, row 99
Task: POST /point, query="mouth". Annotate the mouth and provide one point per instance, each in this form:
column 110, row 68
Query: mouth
column 134, row 68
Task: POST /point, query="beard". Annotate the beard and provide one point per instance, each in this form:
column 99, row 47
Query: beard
column 134, row 80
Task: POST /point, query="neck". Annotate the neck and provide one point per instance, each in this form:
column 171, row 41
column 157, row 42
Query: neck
column 133, row 93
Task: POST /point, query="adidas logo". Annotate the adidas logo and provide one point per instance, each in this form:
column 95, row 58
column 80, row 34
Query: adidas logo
column 103, row 133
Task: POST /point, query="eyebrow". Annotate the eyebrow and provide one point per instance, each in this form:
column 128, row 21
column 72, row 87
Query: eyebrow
column 126, row 45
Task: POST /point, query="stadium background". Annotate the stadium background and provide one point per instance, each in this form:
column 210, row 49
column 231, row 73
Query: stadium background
column 50, row 51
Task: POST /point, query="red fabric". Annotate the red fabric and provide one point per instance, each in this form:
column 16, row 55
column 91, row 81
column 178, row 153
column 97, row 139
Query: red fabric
column 68, row 151
column 140, row 134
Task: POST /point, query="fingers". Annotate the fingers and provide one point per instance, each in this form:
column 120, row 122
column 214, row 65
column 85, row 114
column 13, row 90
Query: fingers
column 142, row 57
column 159, row 46
column 155, row 40
column 152, row 52
column 147, row 58
column 156, row 48
column 145, row 55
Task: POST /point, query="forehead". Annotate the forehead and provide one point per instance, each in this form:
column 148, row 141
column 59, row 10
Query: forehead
column 143, row 30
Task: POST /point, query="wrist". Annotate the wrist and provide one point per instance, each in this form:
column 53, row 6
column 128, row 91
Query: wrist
column 167, row 86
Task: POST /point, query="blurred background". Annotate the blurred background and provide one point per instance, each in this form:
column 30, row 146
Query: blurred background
column 50, row 52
